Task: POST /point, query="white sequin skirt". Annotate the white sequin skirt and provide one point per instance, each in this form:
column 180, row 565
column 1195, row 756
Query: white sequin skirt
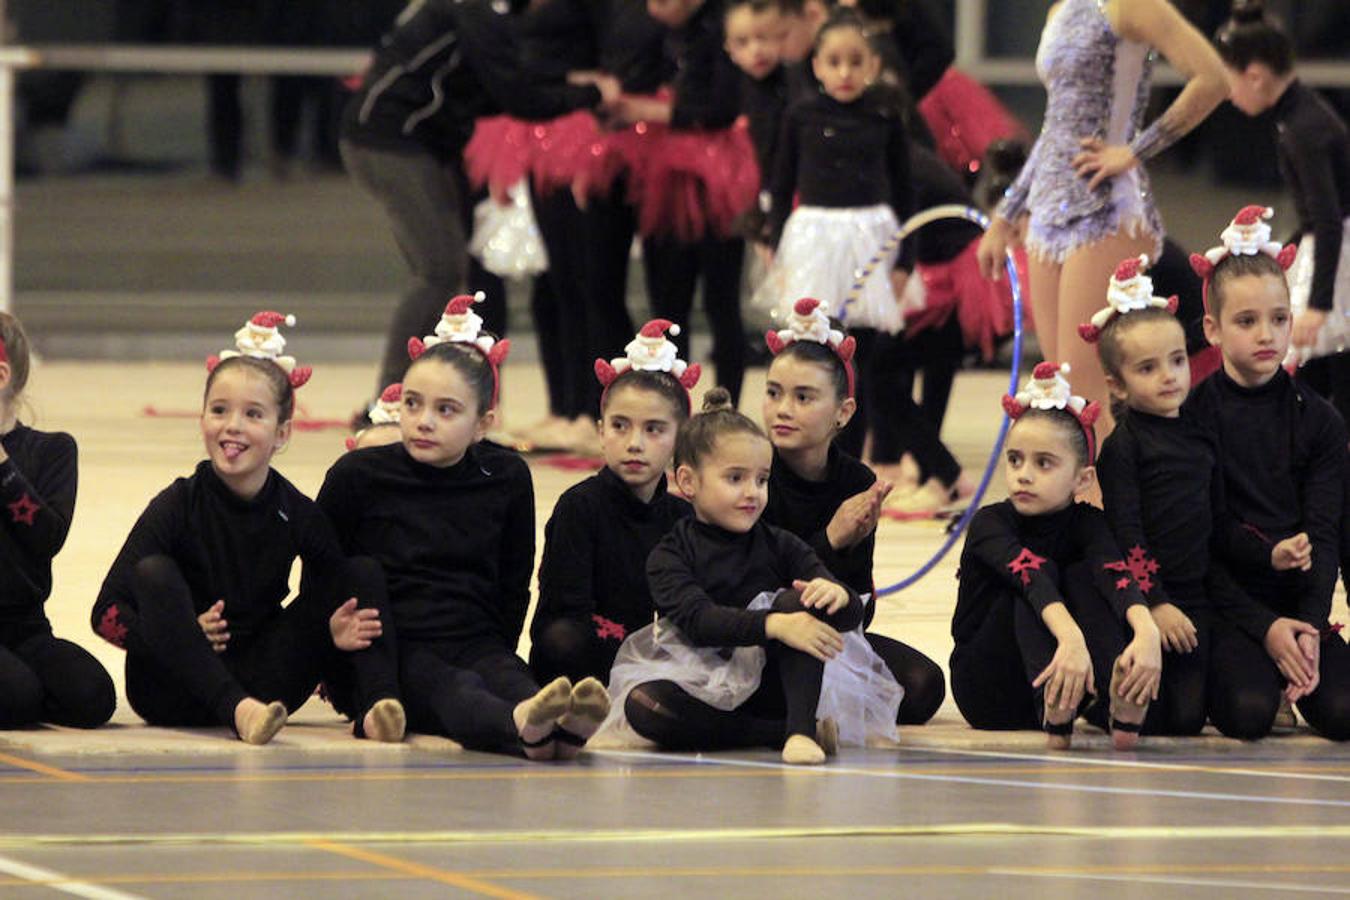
column 858, row 691
column 1335, row 334
column 506, row 239
column 822, row 253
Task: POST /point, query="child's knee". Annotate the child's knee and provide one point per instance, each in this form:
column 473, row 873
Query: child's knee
column 154, row 577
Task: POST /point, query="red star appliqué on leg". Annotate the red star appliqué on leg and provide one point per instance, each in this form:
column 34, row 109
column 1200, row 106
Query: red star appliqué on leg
column 1026, row 563
column 1140, row 565
column 24, row 509
column 1122, row 583
column 606, row 629
column 113, row 631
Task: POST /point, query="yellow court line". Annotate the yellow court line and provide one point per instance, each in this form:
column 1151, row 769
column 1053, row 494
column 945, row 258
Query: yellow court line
column 431, row 873
column 619, row 872
column 691, row 835
column 41, row 769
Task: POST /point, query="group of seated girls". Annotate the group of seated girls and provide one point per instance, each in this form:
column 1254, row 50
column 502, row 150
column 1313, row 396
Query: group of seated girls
column 733, row 615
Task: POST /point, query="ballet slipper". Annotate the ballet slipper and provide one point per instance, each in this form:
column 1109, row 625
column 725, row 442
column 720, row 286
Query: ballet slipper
column 1286, row 722
column 923, row 502
column 800, row 750
column 385, row 721
column 587, row 708
column 536, row 718
column 1058, row 725
column 257, row 723
column 827, row 736
column 1126, row 717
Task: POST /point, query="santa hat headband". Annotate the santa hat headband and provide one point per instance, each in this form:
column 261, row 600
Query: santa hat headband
column 810, row 322
column 651, row 351
column 260, row 338
column 387, row 411
column 1049, row 389
column 4, row 351
column 459, row 324
column 1247, row 235
column 1130, row 291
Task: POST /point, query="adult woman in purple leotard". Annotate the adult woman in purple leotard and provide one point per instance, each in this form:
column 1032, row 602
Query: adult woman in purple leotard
column 1084, row 187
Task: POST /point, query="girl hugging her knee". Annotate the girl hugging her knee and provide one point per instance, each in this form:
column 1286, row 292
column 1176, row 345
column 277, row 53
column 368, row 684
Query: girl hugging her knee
column 726, row 585
column 195, row 595
column 1045, row 601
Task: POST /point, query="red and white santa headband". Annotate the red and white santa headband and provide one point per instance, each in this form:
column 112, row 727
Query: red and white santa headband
column 1130, row 291
column 387, row 410
column 260, row 338
column 810, row 321
column 1049, row 389
column 1247, row 235
column 651, row 351
column 4, row 351
column 459, row 324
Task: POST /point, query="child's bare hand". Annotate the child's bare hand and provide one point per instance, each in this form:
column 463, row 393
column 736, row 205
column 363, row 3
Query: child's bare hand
column 1142, row 662
column 1284, row 644
column 1310, row 645
column 1175, row 627
column 214, row 626
column 821, row 593
column 803, row 631
column 353, row 628
column 1292, row 553
column 857, row 516
column 1068, row 678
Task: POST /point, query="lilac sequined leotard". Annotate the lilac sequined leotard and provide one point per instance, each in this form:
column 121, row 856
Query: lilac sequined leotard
column 1097, row 84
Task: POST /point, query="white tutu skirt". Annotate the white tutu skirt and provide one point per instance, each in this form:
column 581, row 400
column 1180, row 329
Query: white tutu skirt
column 858, row 691
column 506, row 239
column 1335, row 334
column 822, row 253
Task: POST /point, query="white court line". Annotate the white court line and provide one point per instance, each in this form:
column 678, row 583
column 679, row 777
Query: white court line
column 58, row 882
column 1183, row 882
column 991, row 782
column 1126, row 763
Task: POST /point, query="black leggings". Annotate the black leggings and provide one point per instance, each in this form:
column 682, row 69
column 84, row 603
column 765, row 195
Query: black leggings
column 465, row 691
column 46, row 679
column 1330, row 377
column 1181, row 707
column 1245, row 687
column 673, row 269
column 571, row 647
column 923, row 681
column 560, row 306
column 174, row 678
column 992, row 671
column 784, row 705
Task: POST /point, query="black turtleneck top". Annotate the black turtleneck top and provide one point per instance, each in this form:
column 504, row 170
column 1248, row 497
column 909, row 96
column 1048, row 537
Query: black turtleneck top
column 456, row 543
column 705, row 80
column 1006, row 552
column 596, row 545
column 703, row 577
column 805, row 508
column 1314, row 149
column 1282, row 452
column 37, row 502
column 227, row 548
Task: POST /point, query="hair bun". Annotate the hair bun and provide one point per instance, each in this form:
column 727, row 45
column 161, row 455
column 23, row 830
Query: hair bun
column 1249, row 11
column 716, row 400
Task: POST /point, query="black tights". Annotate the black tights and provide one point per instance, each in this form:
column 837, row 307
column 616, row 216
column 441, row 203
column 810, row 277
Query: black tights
column 571, row 647
column 784, row 705
column 174, row 678
column 1181, row 705
column 993, row 670
column 465, row 691
column 923, row 681
column 672, row 271
column 46, row 679
column 1245, row 687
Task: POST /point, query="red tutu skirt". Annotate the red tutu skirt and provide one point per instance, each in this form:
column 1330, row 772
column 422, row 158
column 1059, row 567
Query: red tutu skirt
column 965, row 118
column 685, row 184
column 553, row 154
column 983, row 307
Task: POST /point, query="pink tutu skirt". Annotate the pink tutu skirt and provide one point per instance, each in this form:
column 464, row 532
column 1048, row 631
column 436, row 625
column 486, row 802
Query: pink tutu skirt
column 965, row 119
column 983, row 307
column 553, row 154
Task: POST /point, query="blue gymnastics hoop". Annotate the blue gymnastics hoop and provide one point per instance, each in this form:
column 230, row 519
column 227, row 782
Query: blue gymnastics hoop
column 911, row 225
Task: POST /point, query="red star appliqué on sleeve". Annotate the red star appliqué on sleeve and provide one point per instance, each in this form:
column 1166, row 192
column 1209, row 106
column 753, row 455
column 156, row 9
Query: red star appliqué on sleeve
column 1122, row 583
column 606, row 629
column 1026, row 563
column 23, row 510
column 1140, row 565
column 113, row 631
